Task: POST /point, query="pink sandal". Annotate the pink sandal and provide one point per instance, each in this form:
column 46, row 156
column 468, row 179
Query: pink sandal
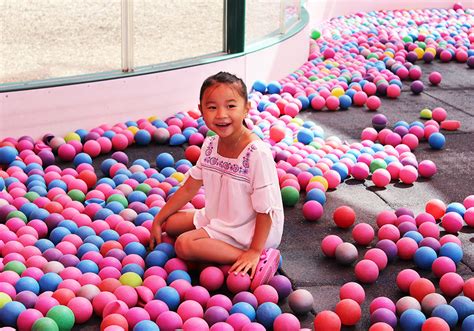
column 266, row 267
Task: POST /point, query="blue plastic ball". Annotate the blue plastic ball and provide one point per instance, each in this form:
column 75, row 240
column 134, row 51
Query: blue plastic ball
column 447, row 313
column 109, row 234
column 49, row 282
column 85, row 231
column 451, row 250
column 166, row 248
column 305, row 136
column 463, row 305
column 106, row 165
column 28, row 208
column 468, row 323
column 82, row 158
column 86, row 247
column 102, row 214
column 178, row 274
column 456, row 207
column 345, row 101
column 266, row 314
column 424, row 257
column 164, row 160
column 95, row 240
column 10, row 312
column 156, row 258
column 133, row 267
column 342, row 169
column 244, row 308
column 115, row 206
column 412, row 320
column 415, row 235
column 68, row 224
column 260, row 86
column 7, row 154
column 437, row 140
column 146, row 325
column 39, row 214
column 141, row 218
column 142, row 137
column 136, row 196
column 43, row 244
column 169, row 296
column 135, row 248
column 274, row 87
column 177, row 139
column 27, row 284
column 88, row 266
column 2, row 184
column 317, row 195
column 58, row 234
column 167, row 171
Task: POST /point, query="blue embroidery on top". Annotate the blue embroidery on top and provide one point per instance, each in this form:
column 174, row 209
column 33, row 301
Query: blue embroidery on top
column 226, row 165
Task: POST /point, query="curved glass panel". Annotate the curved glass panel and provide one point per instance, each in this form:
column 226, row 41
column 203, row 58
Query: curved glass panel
column 262, row 18
column 168, row 31
column 51, row 39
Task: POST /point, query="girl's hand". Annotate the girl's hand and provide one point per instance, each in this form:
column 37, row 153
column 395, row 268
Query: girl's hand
column 246, row 261
column 155, row 235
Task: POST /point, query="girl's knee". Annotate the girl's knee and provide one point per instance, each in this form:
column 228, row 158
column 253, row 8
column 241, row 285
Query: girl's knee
column 182, row 247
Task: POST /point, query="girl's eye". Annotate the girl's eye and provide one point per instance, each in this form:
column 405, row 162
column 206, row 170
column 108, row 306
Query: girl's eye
column 232, row 106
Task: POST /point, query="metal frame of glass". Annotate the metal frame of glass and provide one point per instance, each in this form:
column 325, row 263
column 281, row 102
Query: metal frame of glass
column 234, row 46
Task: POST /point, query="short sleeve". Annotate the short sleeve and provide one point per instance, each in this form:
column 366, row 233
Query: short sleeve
column 265, row 194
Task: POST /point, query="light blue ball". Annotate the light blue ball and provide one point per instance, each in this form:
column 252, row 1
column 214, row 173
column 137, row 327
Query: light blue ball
column 10, row 312
column 260, row 86
column 447, row 313
column 244, row 308
column 177, row 139
column 27, row 284
column 86, row 247
column 88, row 266
column 424, row 257
column 437, row 140
column 166, row 248
column 109, row 234
column 316, row 195
column 7, row 154
column 456, row 207
column 412, row 320
column 274, row 87
column 133, row 267
column 345, row 101
column 342, row 169
column 415, row 235
column 82, row 158
column 135, row 248
column 146, row 325
column 43, row 244
column 58, row 234
column 267, row 312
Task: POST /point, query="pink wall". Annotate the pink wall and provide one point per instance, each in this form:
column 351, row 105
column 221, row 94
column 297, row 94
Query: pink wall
column 63, row 109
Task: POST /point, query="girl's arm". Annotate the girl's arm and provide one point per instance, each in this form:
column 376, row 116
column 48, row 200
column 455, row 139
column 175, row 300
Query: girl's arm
column 249, row 259
column 183, row 195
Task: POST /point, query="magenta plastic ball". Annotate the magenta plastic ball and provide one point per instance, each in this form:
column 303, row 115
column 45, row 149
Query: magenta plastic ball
column 282, row 285
column 443, row 265
column 373, row 103
column 238, row 283
column 195, row 324
column 190, row 308
column 285, row 322
column 266, row 293
column 435, row 78
column 381, row 177
column 212, row 278
column 352, row 290
column 219, row 300
column 312, row 210
column 405, row 278
column 378, row 256
column 238, row 321
column 382, row 302
column 452, row 222
column 451, row 284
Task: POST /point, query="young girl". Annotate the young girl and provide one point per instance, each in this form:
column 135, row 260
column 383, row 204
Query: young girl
column 242, row 221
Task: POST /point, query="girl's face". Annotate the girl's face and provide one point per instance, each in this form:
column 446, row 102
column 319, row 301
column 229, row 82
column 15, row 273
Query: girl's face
column 224, row 110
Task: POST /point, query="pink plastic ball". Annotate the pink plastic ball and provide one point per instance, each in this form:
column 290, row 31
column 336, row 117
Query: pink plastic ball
column 405, row 278
column 190, row 308
column 439, row 114
column 265, row 293
column 427, row 168
column 195, row 324
column 238, row 283
column 408, row 174
column 169, row 320
column 406, row 248
column 327, row 320
column 363, row 233
column 333, row 178
column 373, row 103
column 199, row 294
column 360, row 171
column 429, row 229
column 452, row 222
column 469, row 217
column 435, row 78
column 332, row 102
column 443, row 265
column 382, row 302
column 451, row 284
column 378, row 256
column 285, row 322
column 329, row 245
column 312, row 210
column 211, row 278
column 435, row 323
column 389, row 231
column 352, row 290
column 238, row 320
column 369, row 134
column 366, row 271
column 27, row 318
column 381, row 177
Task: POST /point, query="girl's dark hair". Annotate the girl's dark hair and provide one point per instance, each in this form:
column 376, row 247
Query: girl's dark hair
column 224, row 78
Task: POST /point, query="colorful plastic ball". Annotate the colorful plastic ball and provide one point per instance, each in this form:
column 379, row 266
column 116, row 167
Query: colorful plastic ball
column 468, row 323
column 412, row 320
column 267, row 312
column 366, row 271
column 437, row 140
column 199, row 294
column 452, row 222
column 114, row 320
column 421, row 287
column 388, row 231
column 238, row 283
column 27, row 318
column 408, row 174
column 146, row 325
column 381, row 177
column 301, row 301
column 406, row 248
column 447, row 313
column 451, row 250
column 424, row 257
column 9, row 313
column 382, row 302
column 435, row 78
column 45, row 324
column 344, row 216
column 360, row 171
column 327, row 320
column 286, row 321
column 435, row 323
column 329, row 245
column 312, row 210
column 215, row 314
column 427, row 168
column 265, row 293
column 417, row 87
column 463, row 305
column 468, row 288
column 384, row 315
column 373, row 103
column 348, row 311
column 436, row 208
column 244, row 308
column 290, row 196
column 168, row 295
column 352, row 290
column 131, row 279
column 379, row 122
column 212, row 278
column 82, row 309
column 407, row 302
column 378, row 256
column 63, row 316
column 393, row 91
column 369, row 134
column 346, row 253
column 282, row 285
